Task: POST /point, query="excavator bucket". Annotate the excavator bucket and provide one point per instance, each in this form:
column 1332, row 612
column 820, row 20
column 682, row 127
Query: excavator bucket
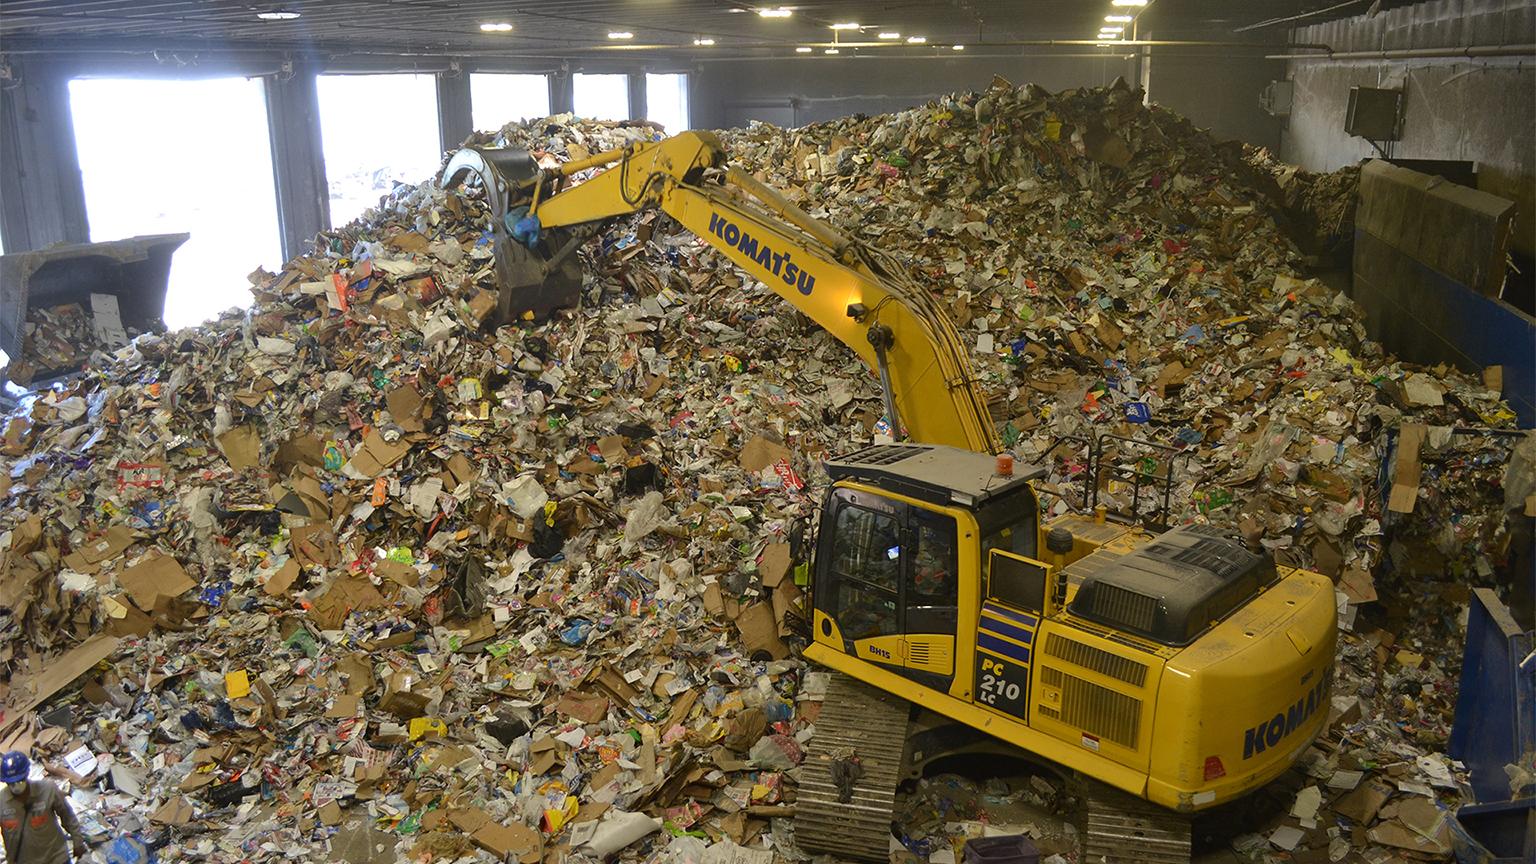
column 534, row 279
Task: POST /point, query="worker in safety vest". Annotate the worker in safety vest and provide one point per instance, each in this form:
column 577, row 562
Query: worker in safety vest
column 34, row 816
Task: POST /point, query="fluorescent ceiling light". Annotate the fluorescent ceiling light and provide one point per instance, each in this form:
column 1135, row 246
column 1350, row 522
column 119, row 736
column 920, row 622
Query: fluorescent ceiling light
column 620, row 34
column 890, row 34
column 1128, row 3
column 957, row 47
column 780, row 12
column 916, row 40
column 1118, row 19
column 846, row 25
column 706, row 42
column 279, row 15
column 802, row 50
column 496, row 27
column 1111, row 29
column 831, row 51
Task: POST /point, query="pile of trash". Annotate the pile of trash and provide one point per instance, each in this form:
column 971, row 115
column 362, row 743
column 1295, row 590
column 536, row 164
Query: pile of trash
column 1119, row 271
column 357, row 576
column 61, row 340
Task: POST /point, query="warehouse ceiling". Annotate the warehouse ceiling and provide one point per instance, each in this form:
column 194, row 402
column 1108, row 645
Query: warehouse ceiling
column 697, row 29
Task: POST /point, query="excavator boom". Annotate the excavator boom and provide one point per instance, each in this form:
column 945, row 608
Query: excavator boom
column 862, row 297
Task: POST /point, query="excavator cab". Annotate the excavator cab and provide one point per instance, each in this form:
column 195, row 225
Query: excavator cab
column 900, row 526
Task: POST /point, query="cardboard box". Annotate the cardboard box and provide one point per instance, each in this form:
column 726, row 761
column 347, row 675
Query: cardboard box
column 398, row 698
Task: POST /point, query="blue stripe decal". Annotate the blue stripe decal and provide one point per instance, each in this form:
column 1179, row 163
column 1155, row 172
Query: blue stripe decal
column 1012, row 632
column 1022, row 618
column 1005, row 649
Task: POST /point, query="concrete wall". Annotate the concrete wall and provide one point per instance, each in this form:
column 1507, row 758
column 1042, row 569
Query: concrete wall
column 1482, row 110
column 1217, row 91
column 812, row 89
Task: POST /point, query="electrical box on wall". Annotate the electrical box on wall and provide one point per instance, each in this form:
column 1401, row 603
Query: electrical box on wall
column 1374, row 114
column 1275, row 98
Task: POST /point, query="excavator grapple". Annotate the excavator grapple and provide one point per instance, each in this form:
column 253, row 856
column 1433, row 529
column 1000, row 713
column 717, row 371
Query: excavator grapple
column 535, row 276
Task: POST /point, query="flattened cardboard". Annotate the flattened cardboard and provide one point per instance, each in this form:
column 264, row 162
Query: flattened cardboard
column 329, row 813
column 123, row 618
column 175, row 811
column 514, row 841
column 612, row 449
column 612, row 682
column 760, row 631
column 1407, row 469
column 760, row 452
column 314, row 545
column 89, row 558
column 242, row 447
column 310, row 493
column 400, row 574
column 1359, row 585
column 773, row 566
column 27, row 692
column 407, row 407
column 301, row 450
column 375, row 456
column 1493, row 378
column 279, row 583
column 344, row 596
column 358, row 673
column 584, row 707
column 462, row 470
column 468, row 819
column 1361, row 805
column 155, row 577
column 714, row 603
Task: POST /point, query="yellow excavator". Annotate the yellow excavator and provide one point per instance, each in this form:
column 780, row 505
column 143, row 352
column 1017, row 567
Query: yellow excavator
column 1173, row 671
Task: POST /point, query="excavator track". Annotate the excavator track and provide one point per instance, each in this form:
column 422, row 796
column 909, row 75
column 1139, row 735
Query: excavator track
column 1123, row 829
column 873, row 724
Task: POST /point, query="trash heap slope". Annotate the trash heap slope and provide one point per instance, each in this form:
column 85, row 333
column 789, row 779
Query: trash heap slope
column 481, row 583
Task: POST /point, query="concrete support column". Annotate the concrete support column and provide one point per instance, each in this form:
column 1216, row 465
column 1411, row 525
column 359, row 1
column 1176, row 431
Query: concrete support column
column 42, row 198
column 298, row 159
column 1144, row 70
column 454, row 121
column 562, row 94
column 637, row 99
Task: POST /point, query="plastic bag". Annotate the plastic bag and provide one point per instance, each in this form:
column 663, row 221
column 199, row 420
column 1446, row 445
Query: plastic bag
column 646, row 516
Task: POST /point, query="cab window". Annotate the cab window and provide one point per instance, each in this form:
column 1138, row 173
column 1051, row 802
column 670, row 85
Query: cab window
column 934, row 578
column 1017, row 538
column 866, row 567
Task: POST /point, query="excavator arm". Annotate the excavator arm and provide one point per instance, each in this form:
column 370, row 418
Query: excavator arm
column 861, row 296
